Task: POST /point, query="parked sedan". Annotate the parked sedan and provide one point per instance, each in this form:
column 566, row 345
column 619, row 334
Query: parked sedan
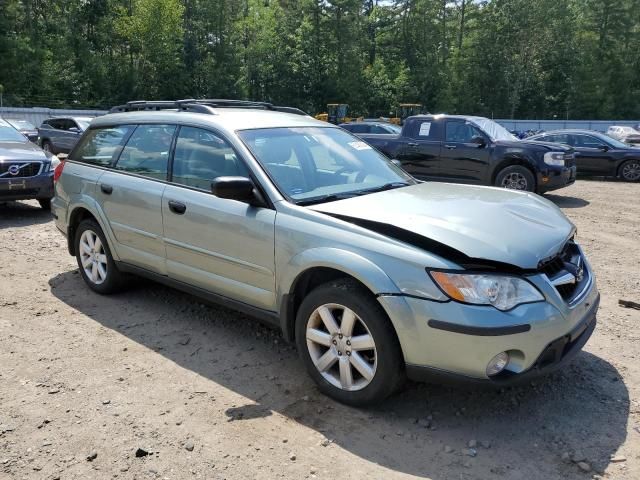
column 598, row 154
column 26, row 171
column 371, row 127
column 59, row 135
column 25, row 127
column 624, row 134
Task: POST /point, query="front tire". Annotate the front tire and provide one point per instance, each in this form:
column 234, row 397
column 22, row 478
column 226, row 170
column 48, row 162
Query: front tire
column 629, row 171
column 348, row 344
column 95, row 261
column 516, row 177
column 46, row 146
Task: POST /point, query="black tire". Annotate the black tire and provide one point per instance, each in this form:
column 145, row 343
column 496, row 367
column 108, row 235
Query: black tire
column 516, row 177
column 47, row 147
column 114, row 280
column 629, row 171
column 389, row 366
column 45, row 203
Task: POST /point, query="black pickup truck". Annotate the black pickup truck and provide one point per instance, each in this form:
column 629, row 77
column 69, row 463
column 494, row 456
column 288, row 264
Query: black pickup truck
column 477, row 150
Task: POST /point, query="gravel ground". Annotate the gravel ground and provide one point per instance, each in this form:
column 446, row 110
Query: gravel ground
column 153, row 384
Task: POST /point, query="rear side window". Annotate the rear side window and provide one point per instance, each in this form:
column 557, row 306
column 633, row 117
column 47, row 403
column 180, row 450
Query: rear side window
column 101, row 146
column 201, row 157
column 559, row 138
column 147, row 151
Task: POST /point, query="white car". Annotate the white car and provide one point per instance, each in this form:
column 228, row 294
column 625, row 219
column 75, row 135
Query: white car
column 624, row 134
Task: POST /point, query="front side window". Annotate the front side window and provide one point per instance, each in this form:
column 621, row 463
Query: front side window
column 316, row 164
column 201, row 157
column 101, row 146
column 586, row 141
column 147, row 151
column 559, row 138
column 461, row 132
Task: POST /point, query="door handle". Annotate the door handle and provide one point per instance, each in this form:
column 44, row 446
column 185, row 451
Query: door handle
column 106, row 189
column 450, row 147
column 412, row 144
column 177, row 207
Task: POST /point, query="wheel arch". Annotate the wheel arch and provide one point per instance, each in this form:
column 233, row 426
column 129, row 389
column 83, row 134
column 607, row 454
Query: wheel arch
column 313, row 268
column 513, row 160
column 84, row 211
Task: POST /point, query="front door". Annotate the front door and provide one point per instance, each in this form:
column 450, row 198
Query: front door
column 461, row 159
column 593, row 156
column 220, row 245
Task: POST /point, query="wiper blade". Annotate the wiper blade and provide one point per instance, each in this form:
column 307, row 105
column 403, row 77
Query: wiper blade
column 324, row 198
column 381, row 188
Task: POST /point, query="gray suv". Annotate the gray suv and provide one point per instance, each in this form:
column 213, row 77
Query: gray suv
column 59, row 135
column 374, row 275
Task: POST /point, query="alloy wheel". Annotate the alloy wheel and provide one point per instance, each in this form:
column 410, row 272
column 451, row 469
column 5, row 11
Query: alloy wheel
column 631, row 171
column 93, row 257
column 515, row 181
column 341, row 347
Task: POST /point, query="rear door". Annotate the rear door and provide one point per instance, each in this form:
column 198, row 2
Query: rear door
column 420, row 155
column 592, row 154
column 462, row 160
column 220, row 245
column 131, row 196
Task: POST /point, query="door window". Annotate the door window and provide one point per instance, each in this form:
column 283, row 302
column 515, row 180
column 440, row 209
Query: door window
column 586, row 141
column 101, row 146
column 559, row 138
column 201, row 157
column 461, row 132
column 147, row 151
column 359, row 128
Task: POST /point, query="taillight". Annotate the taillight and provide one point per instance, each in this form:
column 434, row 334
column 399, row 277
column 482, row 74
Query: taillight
column 58, row 171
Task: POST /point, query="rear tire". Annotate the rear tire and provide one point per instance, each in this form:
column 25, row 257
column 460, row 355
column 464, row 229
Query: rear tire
column 97, row 267
column 357, row 359
column 629, row 171
column 45, row 203
column 516, row 177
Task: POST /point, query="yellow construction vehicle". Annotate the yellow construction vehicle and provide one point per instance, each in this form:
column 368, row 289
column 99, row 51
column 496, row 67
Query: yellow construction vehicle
column 406, row 110
column 336, row 113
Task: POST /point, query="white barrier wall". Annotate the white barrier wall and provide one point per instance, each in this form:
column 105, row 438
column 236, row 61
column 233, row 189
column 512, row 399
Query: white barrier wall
column 36, row 115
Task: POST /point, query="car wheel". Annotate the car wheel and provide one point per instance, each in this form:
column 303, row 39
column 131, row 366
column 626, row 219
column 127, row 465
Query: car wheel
column 95, row 261
column 516, row 177
column 45, row 203
column 630, row 171
column 46, row 146
column 348, row 344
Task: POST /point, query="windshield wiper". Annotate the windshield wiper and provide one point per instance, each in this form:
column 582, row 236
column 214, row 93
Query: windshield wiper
column 381, row 188
column 324, row 198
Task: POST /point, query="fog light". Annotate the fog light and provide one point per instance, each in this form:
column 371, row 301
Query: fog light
column 497, row 364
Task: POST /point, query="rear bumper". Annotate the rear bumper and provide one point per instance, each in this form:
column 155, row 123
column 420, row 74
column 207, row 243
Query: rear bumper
column 40, row 187
column 555, row 179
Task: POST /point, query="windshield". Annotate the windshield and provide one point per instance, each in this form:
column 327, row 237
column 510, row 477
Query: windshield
column 10, row 134
column 319, row 164
column 493, row 129
column 22, row 124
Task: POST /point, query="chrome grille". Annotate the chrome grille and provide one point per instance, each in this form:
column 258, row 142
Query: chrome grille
column 567, row 272
column 19, row 169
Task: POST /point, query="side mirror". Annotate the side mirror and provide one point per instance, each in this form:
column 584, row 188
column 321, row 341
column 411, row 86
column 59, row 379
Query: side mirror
column 396, row 162
column 604, row 148
column 75, row 130
column 478, row 140
column 237, row 188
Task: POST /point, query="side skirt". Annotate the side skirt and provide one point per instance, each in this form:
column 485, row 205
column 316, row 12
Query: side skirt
column 265, row 316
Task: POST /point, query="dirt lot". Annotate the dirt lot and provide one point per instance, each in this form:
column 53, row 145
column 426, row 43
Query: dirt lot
column 86, row 381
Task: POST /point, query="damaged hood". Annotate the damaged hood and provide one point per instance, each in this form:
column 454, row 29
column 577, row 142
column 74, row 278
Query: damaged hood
column 481, row 223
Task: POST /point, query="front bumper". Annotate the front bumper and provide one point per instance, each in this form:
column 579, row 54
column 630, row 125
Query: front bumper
column 25, row 188
column 450, row 340
column 553, row 179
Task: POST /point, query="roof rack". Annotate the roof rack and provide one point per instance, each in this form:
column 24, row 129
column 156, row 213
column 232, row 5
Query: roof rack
column 207, row 105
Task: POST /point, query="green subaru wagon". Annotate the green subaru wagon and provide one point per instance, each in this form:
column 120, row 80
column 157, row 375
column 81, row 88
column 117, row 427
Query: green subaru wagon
column 374, row 275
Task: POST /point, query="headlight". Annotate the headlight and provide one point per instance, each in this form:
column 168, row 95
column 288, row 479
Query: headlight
column 554, row 158
column 55, row 161
column 503, row 292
